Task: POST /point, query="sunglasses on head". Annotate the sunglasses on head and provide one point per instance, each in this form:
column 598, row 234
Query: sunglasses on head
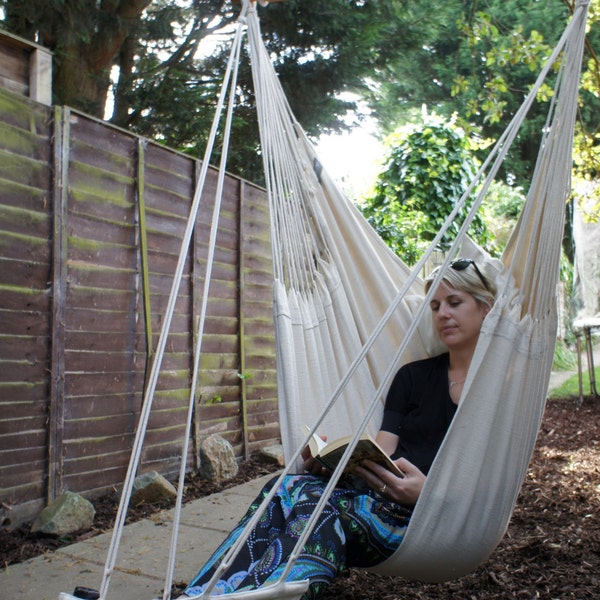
column 462, row 263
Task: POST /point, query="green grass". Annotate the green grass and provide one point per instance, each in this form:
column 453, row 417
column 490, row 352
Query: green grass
column 565, row 359
column 571, row 386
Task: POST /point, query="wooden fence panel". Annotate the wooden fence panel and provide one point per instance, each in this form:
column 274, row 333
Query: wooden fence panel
column 91, row 227
column 25, row 309
column 100, row 271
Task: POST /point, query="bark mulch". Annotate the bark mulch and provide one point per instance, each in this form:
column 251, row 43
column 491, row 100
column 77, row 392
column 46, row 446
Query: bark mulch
column 551, row 549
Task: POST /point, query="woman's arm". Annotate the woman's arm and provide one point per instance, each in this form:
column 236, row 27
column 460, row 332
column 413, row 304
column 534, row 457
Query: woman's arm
column 388, row 441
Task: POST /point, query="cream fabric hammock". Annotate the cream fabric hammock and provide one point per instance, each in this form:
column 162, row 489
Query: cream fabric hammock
column 348, row 313
column 341, row 295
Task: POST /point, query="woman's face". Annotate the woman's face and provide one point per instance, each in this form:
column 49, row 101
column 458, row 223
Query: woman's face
column 457, row 317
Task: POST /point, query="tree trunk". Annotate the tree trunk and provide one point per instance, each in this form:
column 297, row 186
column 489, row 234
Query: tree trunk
column 122, row 103
column 79, row 84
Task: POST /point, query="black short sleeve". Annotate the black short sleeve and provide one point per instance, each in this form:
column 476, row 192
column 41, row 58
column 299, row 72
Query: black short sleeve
column 419, row 410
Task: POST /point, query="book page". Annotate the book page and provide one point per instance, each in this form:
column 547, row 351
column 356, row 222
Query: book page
column 366, row 448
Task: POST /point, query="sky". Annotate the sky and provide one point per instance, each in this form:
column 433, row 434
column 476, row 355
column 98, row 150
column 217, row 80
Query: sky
column 353, row 159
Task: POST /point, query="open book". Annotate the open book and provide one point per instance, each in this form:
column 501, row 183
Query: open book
column 329, row 454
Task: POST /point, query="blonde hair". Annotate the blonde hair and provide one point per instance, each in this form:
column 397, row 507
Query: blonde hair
column 468, row 279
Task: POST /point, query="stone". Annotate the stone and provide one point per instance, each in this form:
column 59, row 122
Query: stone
column 217, row 459
column 66, row 514
column 272, row 454
column 151, row 488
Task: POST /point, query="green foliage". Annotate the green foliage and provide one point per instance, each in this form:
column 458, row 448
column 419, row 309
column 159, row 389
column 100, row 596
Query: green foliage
column 214, row 400
column 319, row 48
column 428, row 169
column 166, row 89
column 564, row 358
column 502, row 208
column 476, row 60
column 479, row 61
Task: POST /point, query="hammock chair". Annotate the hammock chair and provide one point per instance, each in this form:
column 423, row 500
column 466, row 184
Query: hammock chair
column 348, row 313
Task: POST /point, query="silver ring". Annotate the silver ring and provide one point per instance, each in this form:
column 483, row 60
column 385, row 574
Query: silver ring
column 382, row 489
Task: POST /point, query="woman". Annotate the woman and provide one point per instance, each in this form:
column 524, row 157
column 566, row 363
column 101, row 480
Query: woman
column 365, row 519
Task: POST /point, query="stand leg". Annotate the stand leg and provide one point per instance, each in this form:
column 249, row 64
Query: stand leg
column 579, row 370
column 590, row 359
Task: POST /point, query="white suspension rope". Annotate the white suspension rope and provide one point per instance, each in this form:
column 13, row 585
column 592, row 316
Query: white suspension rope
column 202, row 318
column 155, row 371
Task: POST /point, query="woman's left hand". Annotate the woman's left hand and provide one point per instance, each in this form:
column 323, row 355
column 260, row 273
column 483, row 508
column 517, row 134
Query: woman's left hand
column 311, row 464
column 403, row 490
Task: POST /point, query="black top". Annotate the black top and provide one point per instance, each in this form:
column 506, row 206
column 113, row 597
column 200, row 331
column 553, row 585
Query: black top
column 419, row 409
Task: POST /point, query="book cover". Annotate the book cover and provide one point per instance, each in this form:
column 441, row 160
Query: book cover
column 329, row 454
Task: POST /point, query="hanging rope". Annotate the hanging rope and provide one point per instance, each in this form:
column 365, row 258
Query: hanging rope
column 156, row 366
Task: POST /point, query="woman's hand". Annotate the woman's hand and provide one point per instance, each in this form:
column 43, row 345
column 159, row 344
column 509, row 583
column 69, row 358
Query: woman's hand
column 311, row 465
column 403, row 490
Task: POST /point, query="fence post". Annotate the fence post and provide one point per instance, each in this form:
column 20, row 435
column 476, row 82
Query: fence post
column 59, row 293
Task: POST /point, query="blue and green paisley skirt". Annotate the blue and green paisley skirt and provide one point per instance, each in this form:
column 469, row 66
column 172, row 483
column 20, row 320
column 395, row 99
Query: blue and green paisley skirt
column 357, row 528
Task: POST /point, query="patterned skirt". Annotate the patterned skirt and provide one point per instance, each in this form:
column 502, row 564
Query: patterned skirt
column 357, row 528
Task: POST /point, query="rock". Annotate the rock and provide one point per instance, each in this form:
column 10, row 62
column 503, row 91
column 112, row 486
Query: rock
column 152, row 488
column 217, row 459
column 66, row 514
column 272, row 454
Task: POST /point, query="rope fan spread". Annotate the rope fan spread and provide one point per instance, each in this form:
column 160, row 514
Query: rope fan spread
column 348, row 313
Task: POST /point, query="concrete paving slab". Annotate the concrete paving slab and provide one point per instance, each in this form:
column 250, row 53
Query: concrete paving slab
column 44, row 578
column 143, row 552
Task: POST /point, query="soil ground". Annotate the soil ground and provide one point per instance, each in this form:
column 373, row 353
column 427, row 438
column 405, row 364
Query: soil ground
column 551, row 549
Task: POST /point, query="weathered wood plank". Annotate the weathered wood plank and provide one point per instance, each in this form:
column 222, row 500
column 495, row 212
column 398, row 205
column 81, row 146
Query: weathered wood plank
column 116, row 159
column 13, row 478
column 23, row 439
column 23, row 113
column 96, row 136
column 86, row 385
column 115, row 318
column 14, row 68
column 23, row 222
column 20, row 298
column 131, row 361
column 22, row 323
column 26, row 197
column 13, row 459
column 18, row 409
column 18, row 272
column 22, row 371
column 82, row 341
column 85, row 275
column 97, row 183
column 24, row 143
column 20, row 391
column 23, row 170
column 101, row 253
column 111, row 211
column 124, row 406
column 56, row 403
